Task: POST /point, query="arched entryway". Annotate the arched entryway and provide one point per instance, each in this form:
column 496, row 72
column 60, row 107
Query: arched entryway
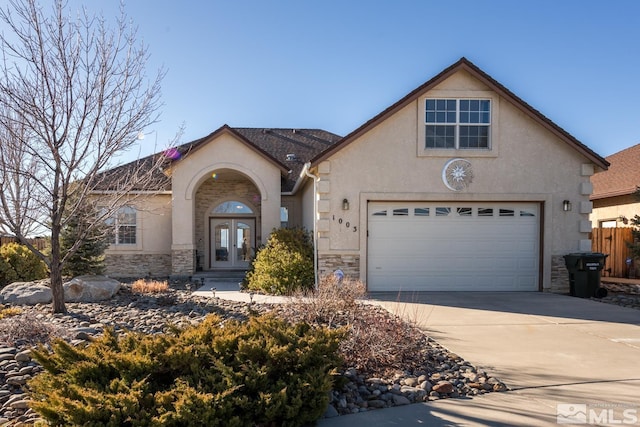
column 227, row 221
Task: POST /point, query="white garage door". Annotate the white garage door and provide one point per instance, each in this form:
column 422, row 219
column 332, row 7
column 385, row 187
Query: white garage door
column 453, row 246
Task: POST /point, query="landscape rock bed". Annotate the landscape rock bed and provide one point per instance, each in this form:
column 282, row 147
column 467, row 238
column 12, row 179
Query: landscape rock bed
column 622, row 294
column 436, row 373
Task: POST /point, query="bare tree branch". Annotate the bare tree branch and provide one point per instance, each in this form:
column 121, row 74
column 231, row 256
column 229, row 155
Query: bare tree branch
column 74, row 93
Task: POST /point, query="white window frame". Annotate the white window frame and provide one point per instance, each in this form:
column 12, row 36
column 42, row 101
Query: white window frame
column 456, row 123
column 117, row 220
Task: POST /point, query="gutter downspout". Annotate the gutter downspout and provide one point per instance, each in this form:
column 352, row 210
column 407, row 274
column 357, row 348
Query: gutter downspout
column 305, row 172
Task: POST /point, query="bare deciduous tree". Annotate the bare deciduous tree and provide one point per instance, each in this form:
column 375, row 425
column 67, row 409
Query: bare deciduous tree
column 74, row 93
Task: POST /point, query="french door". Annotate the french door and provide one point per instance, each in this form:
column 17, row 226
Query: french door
column 232, row 242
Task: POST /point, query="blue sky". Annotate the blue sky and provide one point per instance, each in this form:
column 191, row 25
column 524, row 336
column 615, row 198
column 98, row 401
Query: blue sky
column 334, row 64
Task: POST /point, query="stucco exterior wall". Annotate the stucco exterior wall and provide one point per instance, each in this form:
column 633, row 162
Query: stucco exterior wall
column 526, row 163
column 224, row 153
column 307, row 206
column 151, row 255
column 613, row 208
column 294, row 209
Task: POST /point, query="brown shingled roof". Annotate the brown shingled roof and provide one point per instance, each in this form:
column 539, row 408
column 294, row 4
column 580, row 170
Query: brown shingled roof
column 289, row 149
column 623, row 176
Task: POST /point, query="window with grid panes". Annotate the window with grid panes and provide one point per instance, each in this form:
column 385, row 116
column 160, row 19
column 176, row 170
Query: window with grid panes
column 458, row 123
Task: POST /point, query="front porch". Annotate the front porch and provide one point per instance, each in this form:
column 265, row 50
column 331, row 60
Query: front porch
column 220, row 280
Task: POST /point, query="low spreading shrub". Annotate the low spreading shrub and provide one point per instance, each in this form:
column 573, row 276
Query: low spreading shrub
column 284, row 265
column 19, row 264
column 264, row 372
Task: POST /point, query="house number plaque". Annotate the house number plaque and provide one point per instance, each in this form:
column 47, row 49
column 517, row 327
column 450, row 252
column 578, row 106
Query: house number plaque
column 345, row 223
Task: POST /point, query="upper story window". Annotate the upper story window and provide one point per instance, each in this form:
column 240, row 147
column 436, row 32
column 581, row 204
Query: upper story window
column 458, row 123
column 123, row 226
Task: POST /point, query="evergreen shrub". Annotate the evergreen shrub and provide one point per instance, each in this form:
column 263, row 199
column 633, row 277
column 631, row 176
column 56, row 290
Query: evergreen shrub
column 264, row 372
column 88, row 259
column 284, row 265
column 19, row 264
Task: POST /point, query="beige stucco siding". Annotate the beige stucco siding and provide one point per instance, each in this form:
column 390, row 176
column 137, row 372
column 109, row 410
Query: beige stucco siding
column 613, row 208
column 151, row 255
column 306, row 197
column 526, row 163
column 224, row 153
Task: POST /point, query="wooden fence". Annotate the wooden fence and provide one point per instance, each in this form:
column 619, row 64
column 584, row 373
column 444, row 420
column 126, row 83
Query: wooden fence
column 38, row 242
column 613, row 241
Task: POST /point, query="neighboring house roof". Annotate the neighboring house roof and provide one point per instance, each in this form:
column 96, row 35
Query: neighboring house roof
column 289, row 149
column 623, row 176
column 468, row 66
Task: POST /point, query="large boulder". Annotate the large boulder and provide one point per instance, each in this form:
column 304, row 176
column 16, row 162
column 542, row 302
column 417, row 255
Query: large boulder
column 26, row 293
column 90, row 289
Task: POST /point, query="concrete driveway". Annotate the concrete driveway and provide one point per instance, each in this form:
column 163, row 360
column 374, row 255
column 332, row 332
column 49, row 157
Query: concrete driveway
column 549, row 349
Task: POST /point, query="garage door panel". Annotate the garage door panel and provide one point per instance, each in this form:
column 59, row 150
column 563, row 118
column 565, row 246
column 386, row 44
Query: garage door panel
column 454, row 252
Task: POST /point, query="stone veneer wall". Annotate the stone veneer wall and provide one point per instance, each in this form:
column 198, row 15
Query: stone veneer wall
column 138, row 265
column 349, row 264
column 559, row 276
column 183, row 262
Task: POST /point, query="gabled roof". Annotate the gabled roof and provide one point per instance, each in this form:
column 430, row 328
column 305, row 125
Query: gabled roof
column 289, row 149
column 622, row 177
column 468, row 66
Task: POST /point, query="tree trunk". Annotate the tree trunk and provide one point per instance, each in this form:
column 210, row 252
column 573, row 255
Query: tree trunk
column 57, row 290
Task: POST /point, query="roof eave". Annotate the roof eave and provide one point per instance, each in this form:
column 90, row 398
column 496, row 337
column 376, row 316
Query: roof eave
column 616, row 193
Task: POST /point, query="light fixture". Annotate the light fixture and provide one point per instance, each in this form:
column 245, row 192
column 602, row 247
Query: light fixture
column 566, row 205
column 345, row 205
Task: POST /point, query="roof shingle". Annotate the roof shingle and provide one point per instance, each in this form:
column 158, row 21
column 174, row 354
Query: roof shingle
column 622, row 177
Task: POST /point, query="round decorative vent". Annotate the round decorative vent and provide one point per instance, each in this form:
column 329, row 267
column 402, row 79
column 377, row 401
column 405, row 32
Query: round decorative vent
column 457, row 174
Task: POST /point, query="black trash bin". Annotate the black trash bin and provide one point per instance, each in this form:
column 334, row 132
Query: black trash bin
column 585, row 269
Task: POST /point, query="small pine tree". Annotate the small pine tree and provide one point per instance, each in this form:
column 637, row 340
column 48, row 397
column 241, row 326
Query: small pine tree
column 89, row 257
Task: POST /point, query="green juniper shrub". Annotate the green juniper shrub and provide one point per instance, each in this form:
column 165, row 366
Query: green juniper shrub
column 19, row 264
column 264, row 372
column 284, row 265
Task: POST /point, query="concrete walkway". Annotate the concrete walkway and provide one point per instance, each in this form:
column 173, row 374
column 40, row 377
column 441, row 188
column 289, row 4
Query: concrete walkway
column 548, row 349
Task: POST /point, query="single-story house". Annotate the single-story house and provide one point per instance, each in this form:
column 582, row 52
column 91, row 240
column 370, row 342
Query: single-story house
column 460, row 185
column 614, row 190
column 615, row 203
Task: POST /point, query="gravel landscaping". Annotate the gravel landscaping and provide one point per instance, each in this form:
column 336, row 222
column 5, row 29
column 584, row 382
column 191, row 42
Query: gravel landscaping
column 430, row 372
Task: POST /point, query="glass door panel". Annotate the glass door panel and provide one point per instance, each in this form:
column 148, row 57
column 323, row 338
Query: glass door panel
column 243, row 236
column 221, row 241
column 232, row 242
